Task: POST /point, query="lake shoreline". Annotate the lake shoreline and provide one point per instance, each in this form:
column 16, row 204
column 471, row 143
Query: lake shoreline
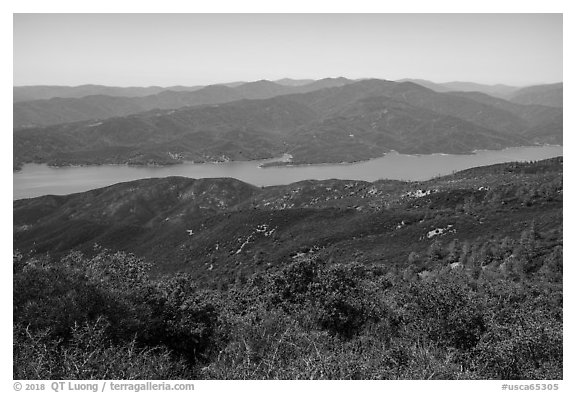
column 40, row 179
column 271, row 162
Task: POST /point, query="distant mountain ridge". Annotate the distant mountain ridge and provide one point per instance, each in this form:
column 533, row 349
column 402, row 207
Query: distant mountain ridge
column 99, row 107
column 535, row 117
column 44, row 92
column 498, row 90
column 294, row 82
column 548, row 94
column 344, row 123
column 48, row 105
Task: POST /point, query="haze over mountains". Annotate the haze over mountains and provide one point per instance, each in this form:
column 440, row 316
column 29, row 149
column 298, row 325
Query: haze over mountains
column 44, row 92
column 549, row 95
column 69, row 104
column 49, row 105
column 326, row 121
column 501, row 91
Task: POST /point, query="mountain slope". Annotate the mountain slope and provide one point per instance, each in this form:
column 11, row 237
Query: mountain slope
column 549, row 95
column 293, row 82
column 179, row 278
column 437, row 87
column 65, row 110
column 328, row 103
column 500, row 91
column 543, row 124
column 238, row 131
column 216, row 227
column 372, row 126
column 347, row 122
column 30, row 93
column 42, row 92
column 99, row 107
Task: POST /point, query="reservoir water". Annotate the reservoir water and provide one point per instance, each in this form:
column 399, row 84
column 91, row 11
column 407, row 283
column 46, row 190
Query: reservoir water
column 39, row 179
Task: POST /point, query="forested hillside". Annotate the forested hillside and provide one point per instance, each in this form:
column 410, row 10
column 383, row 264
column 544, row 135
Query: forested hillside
column 344, row 123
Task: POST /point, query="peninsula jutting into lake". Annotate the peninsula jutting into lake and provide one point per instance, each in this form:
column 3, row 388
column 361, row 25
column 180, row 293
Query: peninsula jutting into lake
column 39, row 179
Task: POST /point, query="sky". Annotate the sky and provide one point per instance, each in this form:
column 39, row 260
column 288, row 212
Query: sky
column 201, row 49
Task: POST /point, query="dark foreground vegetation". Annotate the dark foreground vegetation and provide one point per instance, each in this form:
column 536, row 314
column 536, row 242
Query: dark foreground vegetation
column 499, row 315
column 465, row 304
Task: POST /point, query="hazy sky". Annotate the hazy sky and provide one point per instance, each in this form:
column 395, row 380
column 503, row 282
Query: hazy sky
column 199, row 49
